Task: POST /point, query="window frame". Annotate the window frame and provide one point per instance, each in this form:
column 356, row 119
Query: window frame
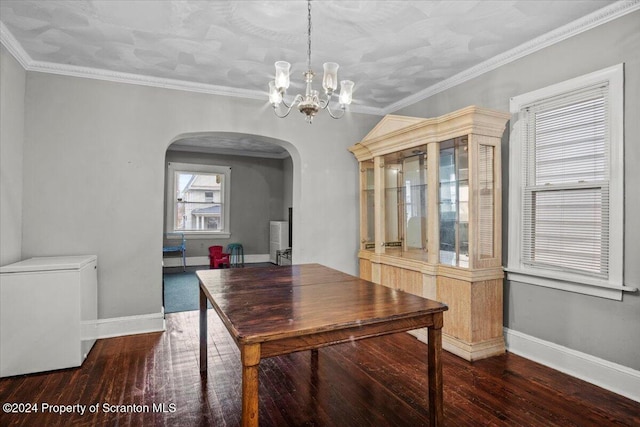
column 172, row 169
column 612, row 286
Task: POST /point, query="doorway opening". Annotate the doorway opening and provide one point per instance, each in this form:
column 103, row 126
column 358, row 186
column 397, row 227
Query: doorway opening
column 221, row 189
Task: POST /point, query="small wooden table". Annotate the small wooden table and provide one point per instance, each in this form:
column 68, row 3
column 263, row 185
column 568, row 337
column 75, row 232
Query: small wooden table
column 270, row 311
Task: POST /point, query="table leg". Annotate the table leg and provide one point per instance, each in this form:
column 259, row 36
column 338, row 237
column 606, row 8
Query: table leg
column 203, row 332
column 435, row 371
column 250, row 355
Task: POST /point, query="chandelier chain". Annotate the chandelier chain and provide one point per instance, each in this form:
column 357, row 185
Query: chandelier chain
column 309, row 34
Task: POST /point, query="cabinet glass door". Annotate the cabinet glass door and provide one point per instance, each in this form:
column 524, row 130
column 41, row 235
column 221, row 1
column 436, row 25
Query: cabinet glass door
column 368, row 207
column 414, row 167
column 405, row 177
column 454, row 202
column 393, row 204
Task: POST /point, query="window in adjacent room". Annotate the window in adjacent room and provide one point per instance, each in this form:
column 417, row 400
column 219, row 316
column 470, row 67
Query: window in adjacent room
column 566, row 185
column 198, row 199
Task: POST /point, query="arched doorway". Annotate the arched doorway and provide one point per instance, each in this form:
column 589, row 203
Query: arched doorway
column 211, row 207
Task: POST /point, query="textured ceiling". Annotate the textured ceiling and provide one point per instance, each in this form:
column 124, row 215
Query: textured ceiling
column 391, row 49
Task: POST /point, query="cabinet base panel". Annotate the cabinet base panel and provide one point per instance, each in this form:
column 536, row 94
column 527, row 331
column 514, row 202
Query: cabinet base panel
column 473, row 351
column 467, row 351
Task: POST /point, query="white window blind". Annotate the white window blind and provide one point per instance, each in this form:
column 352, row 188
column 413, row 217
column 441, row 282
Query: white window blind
column 565, row 206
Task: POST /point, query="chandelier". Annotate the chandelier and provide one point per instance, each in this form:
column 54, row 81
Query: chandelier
column 311, row 102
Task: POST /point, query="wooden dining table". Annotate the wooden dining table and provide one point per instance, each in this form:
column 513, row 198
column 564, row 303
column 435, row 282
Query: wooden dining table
column 271, row 311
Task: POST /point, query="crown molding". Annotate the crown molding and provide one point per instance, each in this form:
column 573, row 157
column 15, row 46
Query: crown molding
column 142, row 80
column 30, row 64
column 15, row 48
column 363, row 109
column 587, row 22
column 599, row 17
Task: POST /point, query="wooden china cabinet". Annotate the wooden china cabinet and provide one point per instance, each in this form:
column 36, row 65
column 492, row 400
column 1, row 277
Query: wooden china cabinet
column 430, row 219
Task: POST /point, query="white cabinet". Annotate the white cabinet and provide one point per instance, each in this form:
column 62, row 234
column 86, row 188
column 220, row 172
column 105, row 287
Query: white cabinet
column 278, row 238
column 48, row 313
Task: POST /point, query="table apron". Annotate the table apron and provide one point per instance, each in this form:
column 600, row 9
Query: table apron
column 326, row 338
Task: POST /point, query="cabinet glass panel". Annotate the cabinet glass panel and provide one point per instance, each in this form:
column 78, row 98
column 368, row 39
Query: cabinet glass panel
column 406, row 203
column 393, row 200
column 486, row 202
column 366, row 169
column 454, row 202
column 414, row 167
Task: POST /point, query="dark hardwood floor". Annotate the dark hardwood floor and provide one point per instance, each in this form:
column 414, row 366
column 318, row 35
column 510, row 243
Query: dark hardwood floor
column 375, row 382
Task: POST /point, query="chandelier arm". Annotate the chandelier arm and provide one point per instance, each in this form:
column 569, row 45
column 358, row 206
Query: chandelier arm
column 289, row 106
column 281, row 116
column 297, row 99
column 335, row 116
column 324, row 103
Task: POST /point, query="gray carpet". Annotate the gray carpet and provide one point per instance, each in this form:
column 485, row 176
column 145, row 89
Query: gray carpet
column 181, row 292
column 181, row 289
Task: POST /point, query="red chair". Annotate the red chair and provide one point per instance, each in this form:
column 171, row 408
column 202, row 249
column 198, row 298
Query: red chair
column 217, row 257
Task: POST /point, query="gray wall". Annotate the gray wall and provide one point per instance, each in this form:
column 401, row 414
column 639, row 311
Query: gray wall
column 603, row 328
column 257, row 196
column 12, row 87
column 287, row 186
column 94, row 167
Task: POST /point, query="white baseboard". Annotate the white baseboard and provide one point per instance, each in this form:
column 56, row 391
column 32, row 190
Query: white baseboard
column 195, row 261
column 253, row 259
column 608, row 375
column 421, row 334
column 130, row 325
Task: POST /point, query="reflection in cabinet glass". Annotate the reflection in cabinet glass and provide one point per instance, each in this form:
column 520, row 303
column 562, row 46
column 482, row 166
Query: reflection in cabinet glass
column 431, row 219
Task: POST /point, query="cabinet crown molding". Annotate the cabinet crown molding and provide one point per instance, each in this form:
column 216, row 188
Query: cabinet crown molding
column 400, row 132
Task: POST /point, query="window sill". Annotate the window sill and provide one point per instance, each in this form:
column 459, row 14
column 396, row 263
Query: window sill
column 567, row 282
column 199, row 235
